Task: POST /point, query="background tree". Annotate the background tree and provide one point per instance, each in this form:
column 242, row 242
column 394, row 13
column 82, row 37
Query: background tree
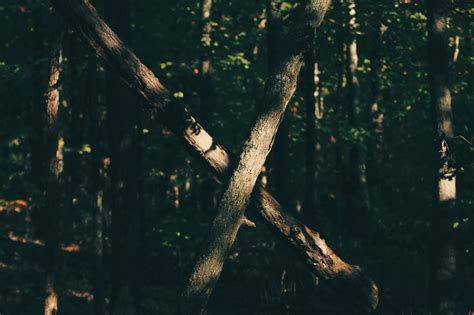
column 123, row 122
column 445, row 255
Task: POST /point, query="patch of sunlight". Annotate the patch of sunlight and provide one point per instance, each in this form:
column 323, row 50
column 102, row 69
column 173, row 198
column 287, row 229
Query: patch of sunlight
column 86, row 148
column 178, row 94
column 84, row 295
column 71, row 248
column 21, row 239
column 4, row 266
column 14, row 142
column 165, row 65
column 13, row 205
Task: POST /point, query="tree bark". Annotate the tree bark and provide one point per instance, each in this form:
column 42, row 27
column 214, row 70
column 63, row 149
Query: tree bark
column 53, row 155
column 359, row 290
column 444, row 286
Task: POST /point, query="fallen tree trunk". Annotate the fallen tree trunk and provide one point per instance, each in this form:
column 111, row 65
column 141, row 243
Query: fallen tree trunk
column 348, row 280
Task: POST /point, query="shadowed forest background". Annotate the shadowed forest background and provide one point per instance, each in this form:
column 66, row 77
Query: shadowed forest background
column 103, row 210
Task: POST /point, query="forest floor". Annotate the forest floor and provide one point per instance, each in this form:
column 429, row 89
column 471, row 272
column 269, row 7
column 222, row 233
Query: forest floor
column 247, row 289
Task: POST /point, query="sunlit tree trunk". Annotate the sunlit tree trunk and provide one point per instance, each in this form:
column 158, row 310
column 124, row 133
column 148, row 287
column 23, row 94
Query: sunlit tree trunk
column 353, row 285
column 444, row 273
column 281, row 161
column 360, row 204
column 279, row 89
column 122, row 123
column 53, row 154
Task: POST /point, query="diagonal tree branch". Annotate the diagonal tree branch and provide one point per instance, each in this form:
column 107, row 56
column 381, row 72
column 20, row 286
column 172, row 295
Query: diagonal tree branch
column 350, row 282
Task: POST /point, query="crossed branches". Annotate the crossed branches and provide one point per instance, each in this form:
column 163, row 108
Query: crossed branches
column 347, row 280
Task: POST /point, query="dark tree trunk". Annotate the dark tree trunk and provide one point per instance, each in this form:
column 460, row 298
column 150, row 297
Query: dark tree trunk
column 99, row 175
column 281, row 157
column 122, row 120
column 207, row 95
column 359, row 206
column 376, row 148
column 341, row 116
column 444, row 286
column 73, row 123
column 358, row 289
column 311, row 100
column 468, row 48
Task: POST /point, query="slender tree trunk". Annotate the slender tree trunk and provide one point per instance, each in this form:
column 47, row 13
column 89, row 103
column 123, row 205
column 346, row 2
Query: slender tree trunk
column 99, row 279
column 444, row 287
column 468, row 48
column 312, row 99
column 377, row 116
column 121, row 128
column 99, row 169
column 278, row 91
column 360, row 201
column 341, row 116
column 36, row 115
column 73, row 122
column 207, row 94
column 53, row 155
column 356, row 288
column 281, row 157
